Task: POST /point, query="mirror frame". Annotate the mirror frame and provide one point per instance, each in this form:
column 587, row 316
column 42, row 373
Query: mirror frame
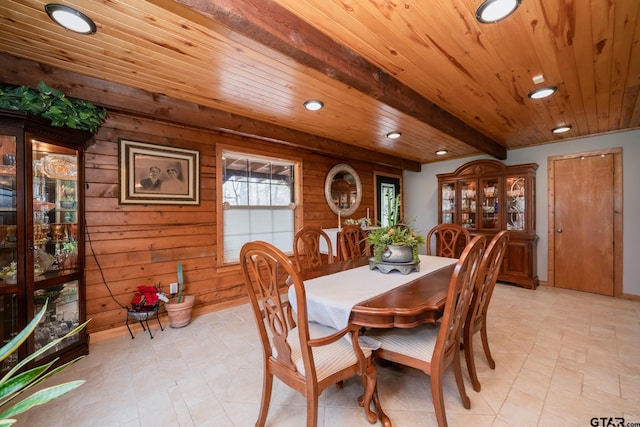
column 342, row 167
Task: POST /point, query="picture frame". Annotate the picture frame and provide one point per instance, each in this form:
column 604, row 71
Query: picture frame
column 158, row 174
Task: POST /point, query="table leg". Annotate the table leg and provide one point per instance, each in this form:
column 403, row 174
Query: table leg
column 370, row 385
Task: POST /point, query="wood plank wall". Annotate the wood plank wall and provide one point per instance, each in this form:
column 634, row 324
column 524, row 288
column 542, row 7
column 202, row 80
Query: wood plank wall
column 141, row 244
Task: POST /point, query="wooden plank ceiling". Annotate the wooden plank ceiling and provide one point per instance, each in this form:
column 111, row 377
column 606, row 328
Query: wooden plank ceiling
column 428, row 69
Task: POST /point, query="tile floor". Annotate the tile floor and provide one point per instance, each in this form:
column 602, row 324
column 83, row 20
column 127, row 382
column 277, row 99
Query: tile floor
column 562, row 358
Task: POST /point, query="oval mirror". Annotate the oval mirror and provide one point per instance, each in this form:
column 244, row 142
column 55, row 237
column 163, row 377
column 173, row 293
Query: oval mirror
column 343, row 190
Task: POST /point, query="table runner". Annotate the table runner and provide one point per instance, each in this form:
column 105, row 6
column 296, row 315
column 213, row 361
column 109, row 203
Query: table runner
column 330, row 298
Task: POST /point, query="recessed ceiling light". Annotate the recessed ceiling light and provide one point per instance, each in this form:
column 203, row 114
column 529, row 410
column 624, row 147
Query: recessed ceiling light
column 561, row 129
column 394, row 135
column 70, row 18
column 441, row 152
column 542, row 92
column 491, row 11
column 313, row 105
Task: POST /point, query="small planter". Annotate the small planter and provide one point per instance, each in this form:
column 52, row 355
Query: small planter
column 180, row 313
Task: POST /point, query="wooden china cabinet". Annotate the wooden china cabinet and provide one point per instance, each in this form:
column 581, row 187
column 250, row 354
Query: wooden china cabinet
column 41, row 234
column 486, row 197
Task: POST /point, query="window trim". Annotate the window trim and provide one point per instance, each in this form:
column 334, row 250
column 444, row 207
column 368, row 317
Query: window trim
column 297, row 186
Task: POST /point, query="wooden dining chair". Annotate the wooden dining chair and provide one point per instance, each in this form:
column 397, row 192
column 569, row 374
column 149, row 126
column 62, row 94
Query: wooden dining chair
column 450, row 240
column 353, row 242
column 476, row 320
column 432, row 348
column 307, row 245
column 308, row 357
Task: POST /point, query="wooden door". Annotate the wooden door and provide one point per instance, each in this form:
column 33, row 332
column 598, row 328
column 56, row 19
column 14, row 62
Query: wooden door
column 582, row 224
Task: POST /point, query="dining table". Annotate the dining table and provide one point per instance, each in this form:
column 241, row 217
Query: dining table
column 356, row 292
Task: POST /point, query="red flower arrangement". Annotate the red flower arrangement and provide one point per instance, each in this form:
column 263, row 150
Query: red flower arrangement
column 146, row 298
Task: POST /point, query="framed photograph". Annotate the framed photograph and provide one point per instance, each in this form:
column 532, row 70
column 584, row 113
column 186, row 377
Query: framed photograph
column 156, row 174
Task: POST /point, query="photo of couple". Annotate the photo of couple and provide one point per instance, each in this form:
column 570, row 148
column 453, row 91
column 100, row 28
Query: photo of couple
column 167, row 180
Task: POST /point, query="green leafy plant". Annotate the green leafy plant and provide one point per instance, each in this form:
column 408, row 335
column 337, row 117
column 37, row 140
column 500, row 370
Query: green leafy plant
column 14, row 383
column 52, row 104
column 396, row 232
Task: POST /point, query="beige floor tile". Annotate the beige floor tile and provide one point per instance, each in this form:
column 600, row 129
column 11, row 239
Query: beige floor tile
column 562, row 358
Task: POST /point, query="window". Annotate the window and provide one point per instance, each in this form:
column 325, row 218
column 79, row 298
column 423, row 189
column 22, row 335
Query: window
column 258, row 202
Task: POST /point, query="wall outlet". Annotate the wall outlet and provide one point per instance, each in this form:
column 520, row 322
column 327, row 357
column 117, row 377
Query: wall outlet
column 173, row 288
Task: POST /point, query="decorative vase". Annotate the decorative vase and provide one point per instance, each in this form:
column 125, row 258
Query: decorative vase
column 180, row 313
column 398, row 254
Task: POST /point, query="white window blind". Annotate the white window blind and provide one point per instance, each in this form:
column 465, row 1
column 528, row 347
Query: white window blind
column 258, row 203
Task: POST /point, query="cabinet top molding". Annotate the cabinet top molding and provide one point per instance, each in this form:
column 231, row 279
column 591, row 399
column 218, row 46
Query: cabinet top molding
column 479, row 168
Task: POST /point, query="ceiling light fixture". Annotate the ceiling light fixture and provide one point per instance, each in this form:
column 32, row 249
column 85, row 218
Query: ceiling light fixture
column 313, row 105
column 491, row 11
column 70, row 19
column 394, row 135
column 561, row 129
column 542, row 92
column 441, row 152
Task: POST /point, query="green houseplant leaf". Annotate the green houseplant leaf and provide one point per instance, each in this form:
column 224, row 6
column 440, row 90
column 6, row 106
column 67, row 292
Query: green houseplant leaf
column 16, row 382
column 52, row 104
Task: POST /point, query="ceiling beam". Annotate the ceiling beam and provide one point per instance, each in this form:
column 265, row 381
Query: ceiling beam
column 124, row 99
column 273, row 26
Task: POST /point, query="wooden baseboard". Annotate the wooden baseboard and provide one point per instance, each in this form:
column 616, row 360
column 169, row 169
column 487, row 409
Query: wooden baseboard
column 136, row 328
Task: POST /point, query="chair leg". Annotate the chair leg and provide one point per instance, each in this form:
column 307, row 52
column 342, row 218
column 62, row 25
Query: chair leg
column 438, row 398
column 485, row 346
column 457, row 370
column 312, row 411
column 468, row 355
column 267, row 387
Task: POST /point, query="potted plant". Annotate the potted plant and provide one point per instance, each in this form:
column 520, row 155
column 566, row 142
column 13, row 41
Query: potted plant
column 179, row 308
column 52, row 104
column 397, row 241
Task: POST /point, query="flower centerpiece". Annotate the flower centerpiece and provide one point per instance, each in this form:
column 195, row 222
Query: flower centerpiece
column 395, row 233
column 146, row 298
column 363, row 222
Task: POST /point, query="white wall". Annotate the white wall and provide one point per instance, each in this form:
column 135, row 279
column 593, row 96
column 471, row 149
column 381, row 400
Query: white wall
column 421, row 196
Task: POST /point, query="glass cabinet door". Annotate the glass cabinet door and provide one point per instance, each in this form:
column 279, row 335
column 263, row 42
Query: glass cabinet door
column 468, row 204
column 515, row 203
column 8, row 244
column 8, row 212
column 448, row 203
column 490, row 203
column 61, row 316
column 55, row 226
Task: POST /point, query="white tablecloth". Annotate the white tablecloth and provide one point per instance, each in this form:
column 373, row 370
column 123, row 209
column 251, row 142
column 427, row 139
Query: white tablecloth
column 330, row 298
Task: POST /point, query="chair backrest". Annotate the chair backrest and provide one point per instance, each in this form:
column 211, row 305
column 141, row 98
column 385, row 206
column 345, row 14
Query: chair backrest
column 353, row 242
column 458, row 298
column 307, row 248
column 450, row 240
column 266, row 270
column 487, row 278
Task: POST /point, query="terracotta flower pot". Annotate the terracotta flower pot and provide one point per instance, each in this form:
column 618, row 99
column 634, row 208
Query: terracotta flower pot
column 180, row 313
